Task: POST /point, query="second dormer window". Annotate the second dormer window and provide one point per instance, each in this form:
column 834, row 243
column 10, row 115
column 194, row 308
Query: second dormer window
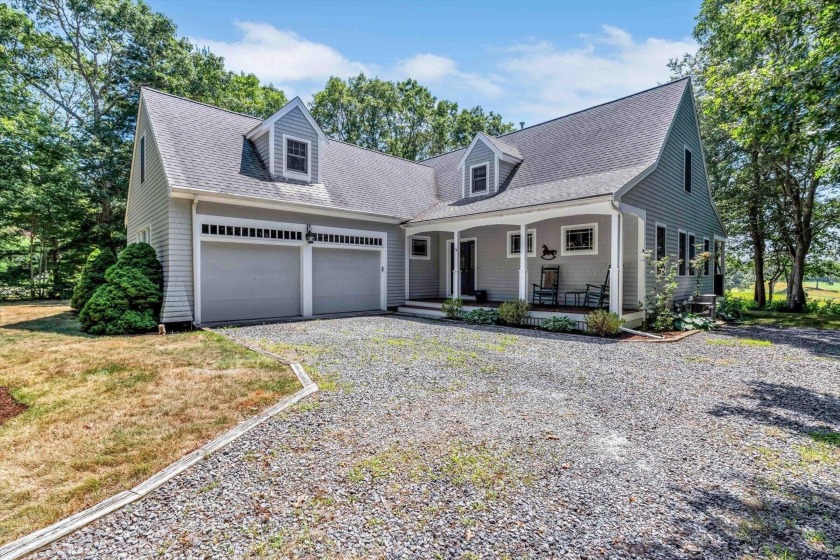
column 296, row 156
column 478, row 180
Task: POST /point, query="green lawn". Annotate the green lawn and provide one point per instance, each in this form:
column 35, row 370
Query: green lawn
column 825, row 291
column 779, row 319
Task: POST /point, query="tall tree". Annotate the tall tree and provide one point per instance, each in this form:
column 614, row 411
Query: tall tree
column 769, row 79
column 400, row 118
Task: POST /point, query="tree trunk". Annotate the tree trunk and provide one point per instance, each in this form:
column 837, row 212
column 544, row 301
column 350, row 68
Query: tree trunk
column 757, row 235
column 796, row 286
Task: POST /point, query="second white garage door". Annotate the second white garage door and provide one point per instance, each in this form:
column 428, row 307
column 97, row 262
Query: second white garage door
column 242, row 282
column 345, row 280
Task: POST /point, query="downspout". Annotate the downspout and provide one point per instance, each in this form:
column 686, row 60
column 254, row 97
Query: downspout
column 196, row 262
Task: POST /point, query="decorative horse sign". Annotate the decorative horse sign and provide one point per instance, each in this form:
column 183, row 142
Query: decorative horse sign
column 548, row 254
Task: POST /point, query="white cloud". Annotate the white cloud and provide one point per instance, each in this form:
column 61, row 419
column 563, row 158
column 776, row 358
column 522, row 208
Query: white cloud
column 441, row 71
column 555, row 81
column 282, row 57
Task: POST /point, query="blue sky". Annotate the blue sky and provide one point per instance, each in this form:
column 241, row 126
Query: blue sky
column 529, row 61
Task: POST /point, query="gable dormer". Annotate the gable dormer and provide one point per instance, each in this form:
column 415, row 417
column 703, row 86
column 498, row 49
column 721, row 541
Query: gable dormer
column 486, row 164
column 290, row 143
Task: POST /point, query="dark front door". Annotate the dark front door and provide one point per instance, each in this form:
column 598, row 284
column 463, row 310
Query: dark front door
column 719, row 285
column 467, row 266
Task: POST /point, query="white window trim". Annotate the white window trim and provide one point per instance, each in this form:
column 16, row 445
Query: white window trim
column 532, row 253
column 486, row 190
column 679, row 231
column 690, row 172
column 295, row 174
column 564, row 229
column 688, row 246
column 428, row 255
column 656, row 241
column 708, row 266
column 138, row 238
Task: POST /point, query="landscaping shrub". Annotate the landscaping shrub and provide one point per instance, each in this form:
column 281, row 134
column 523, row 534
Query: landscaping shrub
column 514, row 312
column 482, row 317
column 830, row 307
column 558, row 323
column 93, row 276
column 129, row 301
column 659, row 303
column 453, row 308
column 603, row 323
column 691, row 321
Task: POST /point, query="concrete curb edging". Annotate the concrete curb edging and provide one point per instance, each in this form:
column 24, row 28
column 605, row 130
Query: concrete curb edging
column 43, row 537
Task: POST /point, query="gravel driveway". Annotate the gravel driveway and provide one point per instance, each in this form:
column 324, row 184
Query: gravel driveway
column 437, row 440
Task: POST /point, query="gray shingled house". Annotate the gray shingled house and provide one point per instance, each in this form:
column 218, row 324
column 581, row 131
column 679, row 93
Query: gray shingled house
column 256, row 220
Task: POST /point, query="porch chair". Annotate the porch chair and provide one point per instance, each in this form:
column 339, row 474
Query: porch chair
column 548, row 287
column 598, row 296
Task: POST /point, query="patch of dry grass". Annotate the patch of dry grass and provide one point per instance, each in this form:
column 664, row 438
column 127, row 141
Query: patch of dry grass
column 107, row 412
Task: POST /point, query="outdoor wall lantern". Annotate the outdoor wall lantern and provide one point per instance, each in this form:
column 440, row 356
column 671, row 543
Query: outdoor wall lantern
column 310, row 237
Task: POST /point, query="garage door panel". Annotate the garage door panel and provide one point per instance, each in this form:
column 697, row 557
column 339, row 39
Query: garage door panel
column 242, row 282
column 345, row 280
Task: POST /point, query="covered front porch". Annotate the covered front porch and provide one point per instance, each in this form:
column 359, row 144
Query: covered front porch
column 584, row 246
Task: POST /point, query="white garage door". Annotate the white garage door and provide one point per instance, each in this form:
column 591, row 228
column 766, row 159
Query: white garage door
column 241, row 282
column 345, row 280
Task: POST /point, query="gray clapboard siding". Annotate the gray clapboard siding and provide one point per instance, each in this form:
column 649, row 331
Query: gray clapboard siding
column 294, row 123
column 480, row 154
column 395, row 237
column 505, row 170
column 179, row 300
column 424, row 274
column 148, row 205
column 261, row 144
column 662, row 196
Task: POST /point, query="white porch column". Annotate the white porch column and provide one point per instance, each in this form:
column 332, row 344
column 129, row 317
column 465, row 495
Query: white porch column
column 196, row 247
column 407, row 262
column 523, row 262
column 616, row 254
column 306, row 280
column 456, row 267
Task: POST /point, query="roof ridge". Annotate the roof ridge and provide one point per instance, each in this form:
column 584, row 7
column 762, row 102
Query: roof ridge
column 568, row 115
column 381, row 153
column 181, row 97
column 628, row 96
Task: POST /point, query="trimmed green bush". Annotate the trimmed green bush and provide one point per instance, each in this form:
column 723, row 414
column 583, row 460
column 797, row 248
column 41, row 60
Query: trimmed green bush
column 558, row 323
column 93, row 276
column 514, row 312
column 129, row 302
column 482, row 317
column 691, row 321
column 453, row 308
column 603, row 323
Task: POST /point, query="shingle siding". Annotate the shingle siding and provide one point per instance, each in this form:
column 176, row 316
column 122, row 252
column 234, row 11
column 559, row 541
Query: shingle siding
column 662, row 196
column 294, row 123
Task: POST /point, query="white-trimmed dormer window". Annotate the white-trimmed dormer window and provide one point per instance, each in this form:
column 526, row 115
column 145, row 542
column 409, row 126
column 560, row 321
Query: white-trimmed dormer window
column 478, row 178
column 296, row 157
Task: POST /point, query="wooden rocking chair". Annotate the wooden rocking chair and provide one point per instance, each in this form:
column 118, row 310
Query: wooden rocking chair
column 548, row 287
column 598, row 296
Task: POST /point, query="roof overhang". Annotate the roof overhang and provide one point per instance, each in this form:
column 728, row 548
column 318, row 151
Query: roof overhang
column 484, row 139
column 266, row 125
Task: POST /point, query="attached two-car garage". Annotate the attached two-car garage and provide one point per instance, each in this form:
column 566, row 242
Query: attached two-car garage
column 252, row 280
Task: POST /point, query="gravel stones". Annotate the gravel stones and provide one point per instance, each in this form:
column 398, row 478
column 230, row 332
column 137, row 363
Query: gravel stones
column 437, row 439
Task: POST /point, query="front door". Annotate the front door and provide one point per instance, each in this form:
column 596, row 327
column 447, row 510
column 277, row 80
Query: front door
column 467, row 266
column 718, row 269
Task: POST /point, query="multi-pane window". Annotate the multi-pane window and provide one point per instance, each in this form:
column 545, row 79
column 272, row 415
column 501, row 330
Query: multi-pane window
column 661, row 239
column 682, row 254
column 515, row 243
column 296, row 156
column 692, row 253
column 478, row 181
column 420, row 247
column 580, row 240
column 687, row 171
column 706, row 249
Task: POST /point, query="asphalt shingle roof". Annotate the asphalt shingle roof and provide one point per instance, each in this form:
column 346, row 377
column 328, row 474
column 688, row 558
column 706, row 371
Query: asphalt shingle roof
column 204, row 147
column 586, row 154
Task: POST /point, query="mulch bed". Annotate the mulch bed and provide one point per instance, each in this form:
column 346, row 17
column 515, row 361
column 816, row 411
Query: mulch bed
column 9, row 407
